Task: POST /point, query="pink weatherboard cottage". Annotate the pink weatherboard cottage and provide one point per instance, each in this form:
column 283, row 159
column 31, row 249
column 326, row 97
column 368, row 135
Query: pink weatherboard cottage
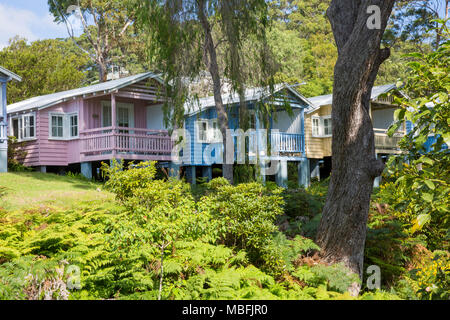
column 118, row 119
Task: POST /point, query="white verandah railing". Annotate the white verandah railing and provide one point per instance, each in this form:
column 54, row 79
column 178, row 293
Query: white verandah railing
column 383, row 141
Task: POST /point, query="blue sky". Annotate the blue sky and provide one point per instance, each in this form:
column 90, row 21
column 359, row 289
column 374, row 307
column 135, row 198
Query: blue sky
column 29, row 19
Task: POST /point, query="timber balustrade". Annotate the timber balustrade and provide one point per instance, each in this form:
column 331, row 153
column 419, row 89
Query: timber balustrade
column 287, row 142
column 109, row 140
column 280, row 142
column 125, row 140
column 383, row 141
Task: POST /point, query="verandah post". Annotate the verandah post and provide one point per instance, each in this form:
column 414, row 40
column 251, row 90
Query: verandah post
column 207, row 173
column 282, row 174
column 81, row 123
column 86, row 169
column 113, row 124
column 81, row 115
column 304, row 175
column 3, row 128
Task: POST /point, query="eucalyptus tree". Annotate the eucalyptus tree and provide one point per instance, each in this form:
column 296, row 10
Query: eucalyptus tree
column 108, row 35
column 225, row 37
column 358, row 28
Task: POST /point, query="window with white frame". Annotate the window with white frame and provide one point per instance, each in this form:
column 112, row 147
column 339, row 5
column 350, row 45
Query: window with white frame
column 74, row 125
column 124, row 114
column 316, row 127
column 327, row 126
column 23, row 127
column 208, row 131
column 28, row 127
column 63, row 126
column 202, row 131
column 57, row 126
column 321, row 126
column 214, row 131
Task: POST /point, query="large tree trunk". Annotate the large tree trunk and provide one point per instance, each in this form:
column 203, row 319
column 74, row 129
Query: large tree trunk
column 342, row 230
column 102, row 70
column 222, row 116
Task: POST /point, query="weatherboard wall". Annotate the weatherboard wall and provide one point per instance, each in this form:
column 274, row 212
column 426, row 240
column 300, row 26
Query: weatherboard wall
column 317, row 148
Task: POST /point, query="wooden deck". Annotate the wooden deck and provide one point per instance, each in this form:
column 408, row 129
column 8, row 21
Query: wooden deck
column 287, row 142
column 386, row 144
column 125, row 143
column 144, row 144
column 281, row 143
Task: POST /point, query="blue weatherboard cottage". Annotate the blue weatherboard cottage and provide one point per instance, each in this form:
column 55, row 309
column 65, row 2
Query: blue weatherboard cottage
column 286, row 132
column 5, row 77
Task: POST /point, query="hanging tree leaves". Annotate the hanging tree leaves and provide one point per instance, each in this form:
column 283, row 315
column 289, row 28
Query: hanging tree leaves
column 226, row 38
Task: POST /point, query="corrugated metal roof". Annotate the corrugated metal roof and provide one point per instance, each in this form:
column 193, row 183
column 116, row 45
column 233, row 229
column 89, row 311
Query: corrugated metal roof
column 251, row 94
column 10, row 74
column 328, row 99
column 49, row 100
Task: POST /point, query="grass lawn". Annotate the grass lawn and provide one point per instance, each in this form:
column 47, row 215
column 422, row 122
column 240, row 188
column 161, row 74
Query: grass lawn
column 31, row 189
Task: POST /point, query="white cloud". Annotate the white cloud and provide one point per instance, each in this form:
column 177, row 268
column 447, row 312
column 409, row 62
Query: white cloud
column 27, row 24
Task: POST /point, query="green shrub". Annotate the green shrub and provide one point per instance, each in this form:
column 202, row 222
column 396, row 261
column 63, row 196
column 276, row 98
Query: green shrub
column 223, row 246
column 422, row 211
column 319, row 188
column 421, row 174
column 379, row 295
column 433, row 279
column 244, row 215
column 159, row 215
column 337, row 277
column 77, row 176
column 33, row 278
column 217, row 183
column 16, row 154
column 281, row 253
column 299, row 202
column 123, row 182
column 388, row 245
column 309, row 229
column 243, row 173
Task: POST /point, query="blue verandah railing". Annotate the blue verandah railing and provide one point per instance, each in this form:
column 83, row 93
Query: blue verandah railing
column 280, row 142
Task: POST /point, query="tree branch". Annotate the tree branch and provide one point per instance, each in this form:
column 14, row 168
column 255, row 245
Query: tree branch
column 127, row 24
column 85, row 26
column 70, row 31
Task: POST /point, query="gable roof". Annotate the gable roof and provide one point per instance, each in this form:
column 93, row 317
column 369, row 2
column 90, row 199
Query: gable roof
column 251, row 94
column 46, row 101
column 9, row 74
column 325, row 100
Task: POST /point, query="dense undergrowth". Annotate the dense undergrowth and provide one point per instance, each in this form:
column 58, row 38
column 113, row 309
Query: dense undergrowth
column 157, row 239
